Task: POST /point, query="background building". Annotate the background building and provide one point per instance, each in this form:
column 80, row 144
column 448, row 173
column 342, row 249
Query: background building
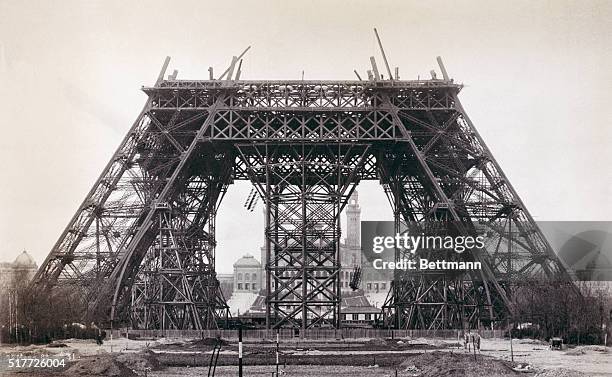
column 14, row 276
column 21, row 270
column 350, row 249
column 226, row 281
column 247, row 274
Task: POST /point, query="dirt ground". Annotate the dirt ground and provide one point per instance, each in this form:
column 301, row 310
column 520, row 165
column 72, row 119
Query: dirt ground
column 590, row 360
column 366, row 357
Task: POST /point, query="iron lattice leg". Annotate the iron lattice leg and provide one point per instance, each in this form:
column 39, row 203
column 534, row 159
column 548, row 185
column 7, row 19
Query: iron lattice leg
column 177, row 287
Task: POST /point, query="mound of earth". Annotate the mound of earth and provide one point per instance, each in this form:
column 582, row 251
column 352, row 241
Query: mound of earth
column 447, row 364
column 377, row 342
column 432, row 342
column 103, row 365
column 594, row 348
column 209, row 342
column 583, row 350
column 140, row 361
column 560, row 373
column 576, row 352
column 533, row 341
column 57, row 345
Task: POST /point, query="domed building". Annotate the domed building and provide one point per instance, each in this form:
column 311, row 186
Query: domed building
column 24, row 261
column 14, row 276
column 21, row 270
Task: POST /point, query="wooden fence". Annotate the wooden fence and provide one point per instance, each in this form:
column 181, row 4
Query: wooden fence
column 347, row 333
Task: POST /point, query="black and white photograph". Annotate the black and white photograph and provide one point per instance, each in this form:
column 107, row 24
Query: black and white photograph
column 392, row 188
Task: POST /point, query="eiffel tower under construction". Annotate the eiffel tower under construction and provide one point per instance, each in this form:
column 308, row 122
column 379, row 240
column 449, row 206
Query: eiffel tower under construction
column 141, row 246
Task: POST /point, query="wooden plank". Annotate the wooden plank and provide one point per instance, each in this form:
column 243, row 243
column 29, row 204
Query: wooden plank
column 374, row 68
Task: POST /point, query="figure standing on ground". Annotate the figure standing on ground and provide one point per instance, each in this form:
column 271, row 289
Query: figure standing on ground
column 476, row 341
column 466, row 340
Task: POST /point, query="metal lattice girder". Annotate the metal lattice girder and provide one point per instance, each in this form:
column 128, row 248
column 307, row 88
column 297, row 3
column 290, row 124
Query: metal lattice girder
column 177, row 288
column 303, row 95
column 436, row 301
column 305, row 187
column 293, row 140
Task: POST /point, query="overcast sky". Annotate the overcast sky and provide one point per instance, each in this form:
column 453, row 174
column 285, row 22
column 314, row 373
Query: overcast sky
column 537, row 86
